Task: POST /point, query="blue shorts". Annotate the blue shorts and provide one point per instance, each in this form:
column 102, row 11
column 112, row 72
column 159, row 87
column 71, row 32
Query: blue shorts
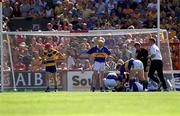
column 51, row 69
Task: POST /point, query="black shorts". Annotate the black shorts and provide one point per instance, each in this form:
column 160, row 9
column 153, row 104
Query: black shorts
column 51, row 69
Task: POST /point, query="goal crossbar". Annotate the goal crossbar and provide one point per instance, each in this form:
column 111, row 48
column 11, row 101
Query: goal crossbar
column 82, row 33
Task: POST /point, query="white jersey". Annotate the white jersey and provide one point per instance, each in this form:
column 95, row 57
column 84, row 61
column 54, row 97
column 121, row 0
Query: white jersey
column 154, row 50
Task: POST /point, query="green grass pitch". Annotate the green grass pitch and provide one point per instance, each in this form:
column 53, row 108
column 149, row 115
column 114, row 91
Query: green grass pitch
column 90, row 104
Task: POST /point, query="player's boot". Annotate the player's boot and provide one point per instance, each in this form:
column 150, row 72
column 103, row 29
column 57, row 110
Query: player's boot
column 47, row 89
column 55, row 89
column 101, row 89
column 159, row 87
column 106, row 89
column 93, row 89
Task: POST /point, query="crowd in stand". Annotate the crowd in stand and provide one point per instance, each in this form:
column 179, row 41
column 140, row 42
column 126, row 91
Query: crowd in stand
column 87, row 15
column 97, row 14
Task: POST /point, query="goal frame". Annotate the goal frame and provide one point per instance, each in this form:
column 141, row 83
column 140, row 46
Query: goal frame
column 72, row 34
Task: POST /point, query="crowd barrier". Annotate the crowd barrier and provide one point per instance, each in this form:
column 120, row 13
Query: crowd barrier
column 73, row 80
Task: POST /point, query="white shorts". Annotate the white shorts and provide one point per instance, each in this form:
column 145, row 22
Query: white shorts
column 110, row 83
column 138, row 65
column 99, row 66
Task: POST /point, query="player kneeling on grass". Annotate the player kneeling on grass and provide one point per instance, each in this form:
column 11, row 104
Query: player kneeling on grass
column 124, row 83
column 111, row 80
column 135, row 68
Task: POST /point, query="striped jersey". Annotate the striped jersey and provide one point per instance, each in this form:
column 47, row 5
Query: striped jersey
column 99, row 54
column 126, row 67
column 50, row 57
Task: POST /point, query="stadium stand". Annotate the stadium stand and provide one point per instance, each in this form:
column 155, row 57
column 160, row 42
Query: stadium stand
column 85, row 15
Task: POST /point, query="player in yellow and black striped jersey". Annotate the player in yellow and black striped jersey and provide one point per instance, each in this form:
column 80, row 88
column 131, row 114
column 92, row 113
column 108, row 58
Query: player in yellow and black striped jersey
column 50, row 58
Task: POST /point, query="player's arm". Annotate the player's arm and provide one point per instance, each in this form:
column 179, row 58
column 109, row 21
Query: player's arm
column 145, row 53
column 91, row 51
column 43, row 57
column 56, row 54
column 108, row 52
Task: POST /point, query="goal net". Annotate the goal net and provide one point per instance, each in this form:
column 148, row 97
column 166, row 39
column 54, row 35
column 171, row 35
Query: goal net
column 21, row 54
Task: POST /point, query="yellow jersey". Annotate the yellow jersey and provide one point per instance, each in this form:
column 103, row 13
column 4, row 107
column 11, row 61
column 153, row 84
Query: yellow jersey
column 50, row 57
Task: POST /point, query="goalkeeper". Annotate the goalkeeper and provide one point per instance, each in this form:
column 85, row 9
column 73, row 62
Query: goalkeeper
column 50, row 57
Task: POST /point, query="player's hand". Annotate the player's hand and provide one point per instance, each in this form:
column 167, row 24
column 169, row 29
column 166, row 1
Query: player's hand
column 149, row 62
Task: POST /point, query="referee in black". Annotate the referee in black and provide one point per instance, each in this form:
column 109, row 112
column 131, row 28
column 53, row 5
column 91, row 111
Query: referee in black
column 142, row 55
column 156, row 64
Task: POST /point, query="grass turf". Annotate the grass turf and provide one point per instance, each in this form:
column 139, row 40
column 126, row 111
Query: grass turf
column 89, row 104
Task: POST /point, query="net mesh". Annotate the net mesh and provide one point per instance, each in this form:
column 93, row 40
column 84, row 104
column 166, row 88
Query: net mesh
column 25, row 49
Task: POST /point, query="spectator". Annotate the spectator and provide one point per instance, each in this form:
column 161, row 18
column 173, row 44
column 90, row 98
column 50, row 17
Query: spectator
column 70, row 61
column 78, row 65
column 58, row 8
column 50, row 27
column 36, row 7
column 100, row 6
column 62, row 66
column 16, row 10
column 27, row 58
column 36, row 62
column 19, row 66
column 127, row 10
column 25, row 8
column 32, row 13
column 111, row 65
column 126, row 54
column 6, row 67
column 49, row 12
column 43, row 3
column 7, row 10
column 152, row 4
column 110, row 5
column 87, row 65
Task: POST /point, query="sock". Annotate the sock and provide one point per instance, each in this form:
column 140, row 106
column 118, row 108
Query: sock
column 144, row 83
column 55, row 87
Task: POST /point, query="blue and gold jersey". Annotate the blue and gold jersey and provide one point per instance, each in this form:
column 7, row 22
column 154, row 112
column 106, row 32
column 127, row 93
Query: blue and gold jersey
column 100, row 54
column 50, row 56
column 126, row 67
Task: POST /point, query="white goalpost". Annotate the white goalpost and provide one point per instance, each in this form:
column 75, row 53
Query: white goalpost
column 1, row 47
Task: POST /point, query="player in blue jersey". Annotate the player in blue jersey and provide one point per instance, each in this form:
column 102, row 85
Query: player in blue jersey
column 152, row 86
column 99, row 53
column 135, row 68
column 111, row 80
column 121, row 83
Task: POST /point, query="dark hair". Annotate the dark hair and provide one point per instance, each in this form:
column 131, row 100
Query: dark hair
column 153, row 39
column 137, row 43
column 118, row 66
